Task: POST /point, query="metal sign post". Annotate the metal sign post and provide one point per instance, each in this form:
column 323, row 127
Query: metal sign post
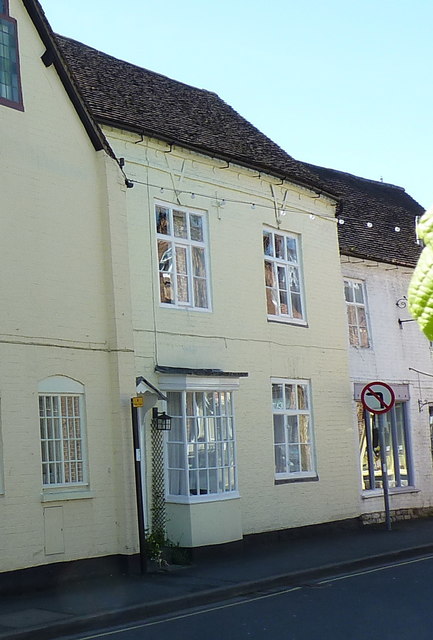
column 379, row 398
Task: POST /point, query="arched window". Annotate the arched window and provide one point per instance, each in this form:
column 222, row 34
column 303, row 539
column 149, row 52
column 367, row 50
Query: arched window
column 62, row 426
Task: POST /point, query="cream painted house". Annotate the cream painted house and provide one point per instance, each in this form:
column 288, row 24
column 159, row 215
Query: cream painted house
column 378, row 254
column 238, row 313
column 67, row 369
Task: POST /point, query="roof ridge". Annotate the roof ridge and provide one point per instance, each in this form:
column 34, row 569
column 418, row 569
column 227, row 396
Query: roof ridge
column 353, row 175
column 137, row 66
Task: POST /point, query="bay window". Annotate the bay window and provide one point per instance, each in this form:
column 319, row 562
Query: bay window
column 201, row 456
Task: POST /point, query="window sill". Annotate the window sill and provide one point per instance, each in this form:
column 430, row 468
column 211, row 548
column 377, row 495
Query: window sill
column 278, row 481
column 217, row 497
column 378, row 493
column 291, row 321
column 59, row 495
column 184, row 308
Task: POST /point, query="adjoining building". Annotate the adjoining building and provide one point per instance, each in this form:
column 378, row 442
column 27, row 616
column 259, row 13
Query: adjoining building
column 379, row 250
column 67, row 365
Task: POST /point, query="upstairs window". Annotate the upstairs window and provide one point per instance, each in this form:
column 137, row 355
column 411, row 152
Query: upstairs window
column 354, row 292
column 182, row 257
column 283, row 277
column 10, row 86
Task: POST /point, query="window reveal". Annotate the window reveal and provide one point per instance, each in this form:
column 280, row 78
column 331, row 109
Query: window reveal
column 283, row 275
column 201, row 444
column 182, row 258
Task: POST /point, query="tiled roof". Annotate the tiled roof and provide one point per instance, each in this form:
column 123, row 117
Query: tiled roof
column 385, row 207
column 140, row 100
column 130, row 97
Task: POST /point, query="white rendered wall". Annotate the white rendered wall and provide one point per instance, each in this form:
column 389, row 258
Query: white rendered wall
column 395, row 351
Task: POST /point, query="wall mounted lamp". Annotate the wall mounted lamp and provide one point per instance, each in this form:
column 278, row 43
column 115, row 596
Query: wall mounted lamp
column 160, row 421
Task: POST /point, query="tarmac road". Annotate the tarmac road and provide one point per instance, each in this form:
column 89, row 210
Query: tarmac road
column 381, row 603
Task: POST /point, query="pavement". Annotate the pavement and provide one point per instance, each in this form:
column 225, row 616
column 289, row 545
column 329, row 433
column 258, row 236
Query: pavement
column 78, row 607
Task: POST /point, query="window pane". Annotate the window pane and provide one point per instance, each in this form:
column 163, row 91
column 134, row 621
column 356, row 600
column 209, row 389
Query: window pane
column 351, row 314
column 166, row 288
column 302, row 396
column 306, row 457
column 198, row 262
column 196, row 226
column 291, row 249
column 282, row 280
column 279, row 247
column 200, row 293
column 353, row 336
column 269, row 274
column 348, row 294
column 280, row 459
column 292, row 429
column 363, row 338
column 290, row 396
column 179, row 224
column 279, row 431
column 162, row 220
column 304, row 431
column 294, row 461
column 277, row 396
column 268, row 244
column 357, row 291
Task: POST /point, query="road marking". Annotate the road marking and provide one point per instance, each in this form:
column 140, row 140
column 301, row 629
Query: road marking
column 376, row 569
column 105, row 634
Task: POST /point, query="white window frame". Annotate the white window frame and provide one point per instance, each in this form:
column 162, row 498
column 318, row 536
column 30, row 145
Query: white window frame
column 278, row 271
column 184, row 385
column 186, row 244
column 281, row 445
column 356, row 284
column 53, row 390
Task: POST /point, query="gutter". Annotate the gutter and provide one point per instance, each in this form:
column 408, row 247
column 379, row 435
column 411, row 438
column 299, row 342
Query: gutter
column 220, row 156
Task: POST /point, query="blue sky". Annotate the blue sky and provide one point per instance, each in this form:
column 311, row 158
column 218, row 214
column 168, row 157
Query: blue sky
column 338, row 83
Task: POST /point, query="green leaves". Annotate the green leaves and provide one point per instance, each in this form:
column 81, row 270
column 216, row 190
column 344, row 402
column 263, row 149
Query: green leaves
column 420, row 292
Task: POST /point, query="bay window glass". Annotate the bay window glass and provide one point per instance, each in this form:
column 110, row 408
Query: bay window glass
column 182, row 257
column 283, row 276
column 201, row 456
